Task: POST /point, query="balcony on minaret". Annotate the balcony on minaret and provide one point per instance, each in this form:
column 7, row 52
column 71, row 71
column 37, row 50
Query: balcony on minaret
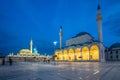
column 99, row 16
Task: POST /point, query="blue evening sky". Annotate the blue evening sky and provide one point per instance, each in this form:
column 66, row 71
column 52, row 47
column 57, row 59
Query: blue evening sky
column 40, row 20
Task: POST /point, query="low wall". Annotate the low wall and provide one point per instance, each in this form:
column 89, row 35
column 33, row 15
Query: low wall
column 23, row 59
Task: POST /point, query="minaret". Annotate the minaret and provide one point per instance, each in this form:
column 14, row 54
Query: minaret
column 60, row 37
column 99, row 20
column 31, row 44
column 100, row 37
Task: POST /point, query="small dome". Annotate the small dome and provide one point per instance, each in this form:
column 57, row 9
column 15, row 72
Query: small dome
column 115, row 45
column 35, row 51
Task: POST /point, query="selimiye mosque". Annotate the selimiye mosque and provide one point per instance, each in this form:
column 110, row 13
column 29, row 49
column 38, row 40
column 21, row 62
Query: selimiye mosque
column 83, row 47
column 27, row 52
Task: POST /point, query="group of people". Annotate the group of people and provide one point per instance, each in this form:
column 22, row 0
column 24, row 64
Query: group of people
column 46, row 60
column 10, row 61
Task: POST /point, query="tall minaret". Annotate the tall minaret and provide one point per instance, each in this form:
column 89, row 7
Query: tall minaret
column 100, row 37
column 31, row 44
column 99, row 20
column 60, row 37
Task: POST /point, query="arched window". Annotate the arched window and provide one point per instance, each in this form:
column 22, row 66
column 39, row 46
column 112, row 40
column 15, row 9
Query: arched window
column 94, row 52
column 71, row 54
column 85, row 53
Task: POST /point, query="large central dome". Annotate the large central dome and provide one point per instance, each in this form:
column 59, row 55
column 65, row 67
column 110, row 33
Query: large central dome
column 25, row 51
column 81, row 34
column 80, row 38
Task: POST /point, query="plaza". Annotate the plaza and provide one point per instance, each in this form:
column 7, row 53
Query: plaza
column 61, row 71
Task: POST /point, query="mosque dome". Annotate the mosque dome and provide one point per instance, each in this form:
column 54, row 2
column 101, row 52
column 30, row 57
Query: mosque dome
column 35, row 51
column 80, row 38
column 81, row 34
column 24, row 51
column 115, row 45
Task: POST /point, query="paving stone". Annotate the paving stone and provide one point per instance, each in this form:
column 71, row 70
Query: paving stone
column 61, row 71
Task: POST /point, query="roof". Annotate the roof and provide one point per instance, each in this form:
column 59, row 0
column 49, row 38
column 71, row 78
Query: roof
column 24, row 50
column 115, row 45
column 81, row 34
column 80, row 44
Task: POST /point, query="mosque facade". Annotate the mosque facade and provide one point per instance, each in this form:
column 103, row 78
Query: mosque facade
column 83, row 47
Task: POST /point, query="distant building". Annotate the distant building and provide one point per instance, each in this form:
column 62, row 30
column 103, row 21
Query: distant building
column 113, row 53
column 27, row 52
column 83, row 47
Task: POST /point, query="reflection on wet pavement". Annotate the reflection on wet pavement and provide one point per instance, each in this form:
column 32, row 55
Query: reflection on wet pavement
column 61, row 71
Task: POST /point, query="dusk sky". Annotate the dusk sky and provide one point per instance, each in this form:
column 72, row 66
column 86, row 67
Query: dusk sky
column 40, row 20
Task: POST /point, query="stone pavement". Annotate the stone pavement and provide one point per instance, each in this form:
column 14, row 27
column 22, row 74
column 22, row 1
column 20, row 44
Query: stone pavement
column 61, row 71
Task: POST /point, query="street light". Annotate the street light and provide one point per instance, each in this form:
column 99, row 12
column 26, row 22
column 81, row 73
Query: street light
column 55, row 43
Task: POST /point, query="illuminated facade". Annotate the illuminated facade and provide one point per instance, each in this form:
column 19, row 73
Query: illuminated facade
column 83, row 47
column 86, row 51
column 27, row 52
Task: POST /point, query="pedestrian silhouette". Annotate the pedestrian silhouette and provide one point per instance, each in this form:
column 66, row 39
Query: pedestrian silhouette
column 10, row 61
column 3, row 61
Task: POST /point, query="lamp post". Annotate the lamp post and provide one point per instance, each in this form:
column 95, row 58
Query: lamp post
column 55, row 43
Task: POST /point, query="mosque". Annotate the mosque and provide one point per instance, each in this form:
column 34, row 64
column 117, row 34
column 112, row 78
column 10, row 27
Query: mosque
column 83, row 47
column 27, row 52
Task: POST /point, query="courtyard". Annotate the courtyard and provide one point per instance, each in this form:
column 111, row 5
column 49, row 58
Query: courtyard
column 60, row 71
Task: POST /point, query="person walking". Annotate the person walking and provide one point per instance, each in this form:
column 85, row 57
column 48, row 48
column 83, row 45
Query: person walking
column 3, row 61
column 10, row 61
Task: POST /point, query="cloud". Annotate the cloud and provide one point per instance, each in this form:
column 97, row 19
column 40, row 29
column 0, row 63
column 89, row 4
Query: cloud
column 116, row 32
column 113, row 23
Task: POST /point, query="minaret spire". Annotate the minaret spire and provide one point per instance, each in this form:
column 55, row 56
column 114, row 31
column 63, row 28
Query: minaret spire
column 100, row 37
column 98, row 8
column 60, row 34
column 31, row 44
column 99, row 20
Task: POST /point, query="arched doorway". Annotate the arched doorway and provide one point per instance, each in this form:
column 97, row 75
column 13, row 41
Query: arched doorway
column 71, row 54
column 94, row 52
column 85, row 53
column 56, row 55
column 65, row 53
column 60, row 55
column 77, row 54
